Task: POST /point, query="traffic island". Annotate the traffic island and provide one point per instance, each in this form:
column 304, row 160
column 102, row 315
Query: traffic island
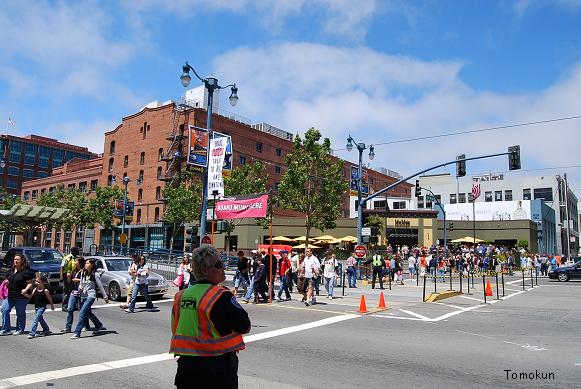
column 443, row 295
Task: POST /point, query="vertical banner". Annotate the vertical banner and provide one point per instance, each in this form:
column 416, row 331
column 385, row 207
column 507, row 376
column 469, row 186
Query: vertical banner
column 215, row 164
column 198, row 147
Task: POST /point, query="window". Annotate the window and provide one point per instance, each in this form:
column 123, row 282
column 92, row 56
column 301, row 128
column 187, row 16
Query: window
column 399, row 205
column 488, row 196
column 159, row 176
column 27, row 173
column 112, row 148
column 138, row 216
column 470, row 197
column 34, row 194
column 158, row 193
column 453, row 198
column 52, row 190
column 94, row 184
column 277, row 169
column 43, row 191
column 110, row 180
column 143, row 130
column 139, row 194
column 13, row 171
column 259, row 147
column 421, row 201
column 526, row 194
column 15, row 157
column 126, row 161
column 110, row 168
column 41, row 174
column 142, row 158
column 543, row 193
column 43, row 151
column 26, row 196
column 278, row 152
column 379, row 204
column 43, row 162
column 11, row 184
column 15, row 146
column 71, row 186
column 428, row 203
column 461, row 198
column 156, row 214
column 508, row 195
column 83, row 186
column 437, row 197
column 159, row 154
column 497, row 195
column 140, row 177
column 29, row 160
column 242, row 160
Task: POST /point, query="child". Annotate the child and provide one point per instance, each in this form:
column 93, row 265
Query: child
column 41, row 298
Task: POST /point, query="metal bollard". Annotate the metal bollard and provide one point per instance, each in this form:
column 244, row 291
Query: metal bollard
column 497, row 293
column 484, row 287
column 523, row 279
column 424, row 292
column 536, row 277
column 460, row 273
column 343, row 283
column 502, row 278
column 451, row 278
column 532, row 283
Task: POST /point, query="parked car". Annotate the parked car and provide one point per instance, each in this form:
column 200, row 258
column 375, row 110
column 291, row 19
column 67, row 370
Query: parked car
column 116, row 279
column 566, row 273
column 45, row 260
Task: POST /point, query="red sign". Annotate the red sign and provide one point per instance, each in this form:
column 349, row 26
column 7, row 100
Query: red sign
column 206, row 240
column 360, row 251
column 238, row 209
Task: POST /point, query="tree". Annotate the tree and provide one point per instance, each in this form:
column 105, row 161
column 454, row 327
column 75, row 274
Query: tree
column 103, row 205
column 313, row 184
column 244, row 180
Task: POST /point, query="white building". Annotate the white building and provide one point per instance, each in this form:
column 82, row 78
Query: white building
column 451, row 190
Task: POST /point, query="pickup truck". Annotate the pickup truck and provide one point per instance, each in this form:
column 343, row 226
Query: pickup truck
column 45, row 260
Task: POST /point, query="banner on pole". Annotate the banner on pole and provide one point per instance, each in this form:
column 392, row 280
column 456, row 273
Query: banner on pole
column 198, row 148
column 215, row 164
column 238, row 209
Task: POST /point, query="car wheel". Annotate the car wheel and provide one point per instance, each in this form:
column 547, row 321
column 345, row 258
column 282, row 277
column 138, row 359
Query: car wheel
column 114, row 291
column 563, row 277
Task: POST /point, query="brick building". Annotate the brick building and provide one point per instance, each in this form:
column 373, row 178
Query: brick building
column 32, row 157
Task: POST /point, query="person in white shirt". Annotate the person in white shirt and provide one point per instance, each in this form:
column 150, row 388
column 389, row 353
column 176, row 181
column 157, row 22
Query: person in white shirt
column 294, row 260
column 141, row 285
column 412, row 265
column 330, row 272
column 312, row 270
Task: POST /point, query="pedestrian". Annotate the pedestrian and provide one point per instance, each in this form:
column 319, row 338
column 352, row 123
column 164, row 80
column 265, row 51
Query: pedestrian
column 141, row 286
column 260, row 287
column 352, row 270
column 302, row 281
column 378, row 264
column 88, row 286
column 312, row 271
column 284, row 271
column 74, row 297
column 241, row 276
column 330, row 266
column 41, row 297
column 184, row 271
column 67, row 268
column 132, row 270
column 19, row 284
column 294, row 261
column 207, row 326
column 412, row 266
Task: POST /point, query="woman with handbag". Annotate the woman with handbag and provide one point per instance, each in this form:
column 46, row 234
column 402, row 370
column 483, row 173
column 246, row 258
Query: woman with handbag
column 182, row 281
column 19, row 284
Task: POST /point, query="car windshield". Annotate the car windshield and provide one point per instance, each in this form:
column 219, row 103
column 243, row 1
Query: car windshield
column 44, row 257
column 118, row 264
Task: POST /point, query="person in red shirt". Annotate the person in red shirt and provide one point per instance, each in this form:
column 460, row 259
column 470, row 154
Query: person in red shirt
column 284, row 271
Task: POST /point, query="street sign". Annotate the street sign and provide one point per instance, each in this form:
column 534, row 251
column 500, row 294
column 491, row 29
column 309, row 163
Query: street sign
column 206, row 240
column 366, row 231
column 429, row 197
column 123, row 238
column 360, row 251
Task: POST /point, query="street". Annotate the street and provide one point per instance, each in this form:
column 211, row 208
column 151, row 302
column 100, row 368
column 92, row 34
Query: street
column 458, row 342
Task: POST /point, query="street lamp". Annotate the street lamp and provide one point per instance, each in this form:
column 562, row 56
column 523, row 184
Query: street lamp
column 211, row 84
column 360, row 148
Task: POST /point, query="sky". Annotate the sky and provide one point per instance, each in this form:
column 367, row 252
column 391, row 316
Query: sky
column 383, row 72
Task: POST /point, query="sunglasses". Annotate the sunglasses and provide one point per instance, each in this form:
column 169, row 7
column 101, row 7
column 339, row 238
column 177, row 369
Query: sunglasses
column 219, row 265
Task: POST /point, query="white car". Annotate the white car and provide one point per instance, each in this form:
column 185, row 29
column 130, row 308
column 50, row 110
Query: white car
column 116, row 279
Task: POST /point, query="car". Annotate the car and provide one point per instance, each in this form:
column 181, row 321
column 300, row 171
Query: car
column 45, row 260
column 566, row 273
column 116, row 279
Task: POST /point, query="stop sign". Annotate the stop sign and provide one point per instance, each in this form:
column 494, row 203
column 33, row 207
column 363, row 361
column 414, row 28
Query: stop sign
column 206, row 240
column 360, row 251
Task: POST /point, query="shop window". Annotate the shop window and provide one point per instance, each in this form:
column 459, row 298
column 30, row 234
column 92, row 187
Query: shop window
column 508, row 195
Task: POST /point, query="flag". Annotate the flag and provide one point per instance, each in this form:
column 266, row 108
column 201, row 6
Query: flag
column 475, row 191
column 10, row 122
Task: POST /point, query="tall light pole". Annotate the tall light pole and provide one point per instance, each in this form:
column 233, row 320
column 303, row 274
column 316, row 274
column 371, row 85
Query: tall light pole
column 360, row 147
column 126, row 183
column 211, row 84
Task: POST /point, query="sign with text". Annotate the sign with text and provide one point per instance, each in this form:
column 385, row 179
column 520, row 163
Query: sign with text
column 354, row 181
column 487, row 211
column 366, row 231
column 237, row 209
column 198, row 148
column 360, row 251
column 215, row 164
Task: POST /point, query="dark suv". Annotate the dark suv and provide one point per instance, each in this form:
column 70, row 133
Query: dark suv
column 47, row 261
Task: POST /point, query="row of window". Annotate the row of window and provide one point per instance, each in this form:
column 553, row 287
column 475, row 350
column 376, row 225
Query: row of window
column 489, row 196
column 52, row 190
column 26, row 173
column 126, row 159
column 31, row 150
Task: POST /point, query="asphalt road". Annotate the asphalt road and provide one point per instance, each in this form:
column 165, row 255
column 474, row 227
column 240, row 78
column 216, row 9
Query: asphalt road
column 456, row 343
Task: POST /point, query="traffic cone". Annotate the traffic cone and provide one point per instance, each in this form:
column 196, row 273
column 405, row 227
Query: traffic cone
column 362, row 305
column 488, row 289
column 381, row 301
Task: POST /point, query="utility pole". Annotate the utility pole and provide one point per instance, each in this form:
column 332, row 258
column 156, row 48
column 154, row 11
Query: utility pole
column 567, row 217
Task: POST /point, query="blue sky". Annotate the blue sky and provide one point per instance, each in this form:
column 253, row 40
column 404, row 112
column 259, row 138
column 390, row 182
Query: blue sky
column 378, row 70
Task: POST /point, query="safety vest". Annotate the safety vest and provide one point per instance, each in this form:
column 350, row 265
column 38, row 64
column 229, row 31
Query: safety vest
column 69, row 264
column 377, row 260
column 193, row 332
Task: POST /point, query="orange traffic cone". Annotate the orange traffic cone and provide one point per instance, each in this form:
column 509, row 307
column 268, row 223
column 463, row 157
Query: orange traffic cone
column 381, row 301
column 488, row 289
column 362, row 305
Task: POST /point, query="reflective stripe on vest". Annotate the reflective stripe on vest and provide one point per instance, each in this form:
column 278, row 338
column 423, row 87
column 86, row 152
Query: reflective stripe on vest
column 377, row 260
column 193, row 330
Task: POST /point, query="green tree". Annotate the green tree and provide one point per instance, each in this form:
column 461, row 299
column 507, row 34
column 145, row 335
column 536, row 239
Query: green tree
column 182, row 202
column 313, row 184
column 103, row 205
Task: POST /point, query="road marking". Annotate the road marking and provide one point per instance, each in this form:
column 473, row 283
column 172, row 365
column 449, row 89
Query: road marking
column 59, row 309
column 527, row 346
column 119, row 364
column 300, row 308
column 415, row 314
column 448, row 305
column 472, row 298
column 472, row 333
column 398, row 317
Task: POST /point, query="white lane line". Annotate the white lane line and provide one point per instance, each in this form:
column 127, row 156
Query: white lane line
column 472, row 333
column 397, row 317
column 472, row 298
column 448, row 305
column 119, row 364
column 422, row 317
column 447, row 315
column 59, row 309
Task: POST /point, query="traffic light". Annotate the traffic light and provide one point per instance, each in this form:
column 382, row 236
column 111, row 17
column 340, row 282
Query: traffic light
column 129, row 207
column 451, row 226
column 192, row 238
column 514, row 158
column 461, row 166
column 418, row 189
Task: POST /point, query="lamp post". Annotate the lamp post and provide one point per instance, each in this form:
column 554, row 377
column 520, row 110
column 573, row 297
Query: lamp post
column 360, row 147
column 211, row 84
